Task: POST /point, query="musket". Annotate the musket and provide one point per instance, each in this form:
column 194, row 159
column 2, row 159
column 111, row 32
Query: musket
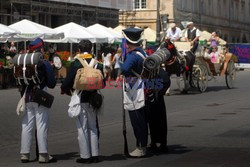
column 124, row 129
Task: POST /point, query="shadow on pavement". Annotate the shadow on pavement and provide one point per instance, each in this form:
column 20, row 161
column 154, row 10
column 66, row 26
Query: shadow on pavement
column 178, row 149
column 217, row 88
column 66, row 156
column 171, row 149
column 113, row 157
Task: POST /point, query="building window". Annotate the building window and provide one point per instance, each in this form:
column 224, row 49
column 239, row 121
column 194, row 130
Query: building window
column 244, row 39
column 140, row 4
column 243, row 9
column 226, row 37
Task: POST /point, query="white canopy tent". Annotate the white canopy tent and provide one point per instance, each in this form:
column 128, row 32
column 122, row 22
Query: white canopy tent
column 149, row 35
column 119, row 29
column 102, row 31
column 74, row 33
column 30, row 30
column 6, row 32
column 117, row 35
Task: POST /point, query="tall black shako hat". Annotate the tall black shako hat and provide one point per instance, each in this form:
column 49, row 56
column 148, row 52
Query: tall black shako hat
column 133, row 35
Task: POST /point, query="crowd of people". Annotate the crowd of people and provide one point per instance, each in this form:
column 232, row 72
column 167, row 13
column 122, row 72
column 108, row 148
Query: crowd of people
column 144, row 104
column 147, row 110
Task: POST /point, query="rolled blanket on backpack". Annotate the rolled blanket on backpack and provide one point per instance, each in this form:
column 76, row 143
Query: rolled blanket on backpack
column 157, row 58
column 25, row 67
column 35, row 59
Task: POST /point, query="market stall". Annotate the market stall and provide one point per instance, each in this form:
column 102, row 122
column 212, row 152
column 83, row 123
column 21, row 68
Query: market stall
column 21, row 31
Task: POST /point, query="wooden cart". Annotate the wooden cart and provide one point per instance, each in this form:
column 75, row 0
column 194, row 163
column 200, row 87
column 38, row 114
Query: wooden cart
column 204, row 68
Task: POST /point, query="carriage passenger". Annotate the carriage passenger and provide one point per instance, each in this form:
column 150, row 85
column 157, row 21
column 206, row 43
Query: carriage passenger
column 214, row 39
column 216, row 58
column 206, row 52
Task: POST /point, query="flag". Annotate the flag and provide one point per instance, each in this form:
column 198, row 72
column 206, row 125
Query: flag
column 124, row 47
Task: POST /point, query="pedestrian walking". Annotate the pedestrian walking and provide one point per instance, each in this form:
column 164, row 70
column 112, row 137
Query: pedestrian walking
column 107, row 59
column 117, row 69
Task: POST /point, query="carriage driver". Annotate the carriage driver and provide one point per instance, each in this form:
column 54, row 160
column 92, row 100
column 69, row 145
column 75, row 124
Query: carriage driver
column 192, row 35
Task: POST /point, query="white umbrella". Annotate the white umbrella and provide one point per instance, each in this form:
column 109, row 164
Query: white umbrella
column 102, row 31
column 30, row 30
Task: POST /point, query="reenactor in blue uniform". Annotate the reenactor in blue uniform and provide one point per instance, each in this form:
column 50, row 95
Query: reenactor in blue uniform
column 131, row 69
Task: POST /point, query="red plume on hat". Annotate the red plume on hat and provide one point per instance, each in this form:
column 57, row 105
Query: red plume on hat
column 36, row 44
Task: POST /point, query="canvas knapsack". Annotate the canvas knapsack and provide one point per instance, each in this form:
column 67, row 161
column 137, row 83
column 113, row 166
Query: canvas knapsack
column 88, row 77
column 25, row 67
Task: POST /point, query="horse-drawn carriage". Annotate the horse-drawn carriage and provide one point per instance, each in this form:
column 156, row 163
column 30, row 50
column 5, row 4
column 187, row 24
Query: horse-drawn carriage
column 204, row 70
column 192, row 70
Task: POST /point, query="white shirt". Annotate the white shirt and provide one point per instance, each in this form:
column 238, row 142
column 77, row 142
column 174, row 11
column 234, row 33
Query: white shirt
column 13, row 49
column 173, row 35
column 117, row 64
column 107, row 59
column 197, row 32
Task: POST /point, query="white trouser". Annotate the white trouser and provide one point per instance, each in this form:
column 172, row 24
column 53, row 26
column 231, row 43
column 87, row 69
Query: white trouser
column 87, row 132
column 39, row 115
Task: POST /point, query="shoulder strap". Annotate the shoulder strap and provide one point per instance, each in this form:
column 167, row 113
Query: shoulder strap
column 84, row 64
column 24, row 69
column 136, row 74
column 141, row 55
column 92, row 63
column 32, row 58
column 18, row 59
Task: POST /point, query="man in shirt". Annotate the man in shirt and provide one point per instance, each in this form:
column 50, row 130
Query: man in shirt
column 192, row 35
column 174, row 33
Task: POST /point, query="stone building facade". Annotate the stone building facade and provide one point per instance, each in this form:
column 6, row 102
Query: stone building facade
column 229, row 17
column 55, row 13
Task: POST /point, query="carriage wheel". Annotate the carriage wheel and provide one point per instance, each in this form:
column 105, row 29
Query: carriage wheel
column 230, row 74
column 202, row 78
